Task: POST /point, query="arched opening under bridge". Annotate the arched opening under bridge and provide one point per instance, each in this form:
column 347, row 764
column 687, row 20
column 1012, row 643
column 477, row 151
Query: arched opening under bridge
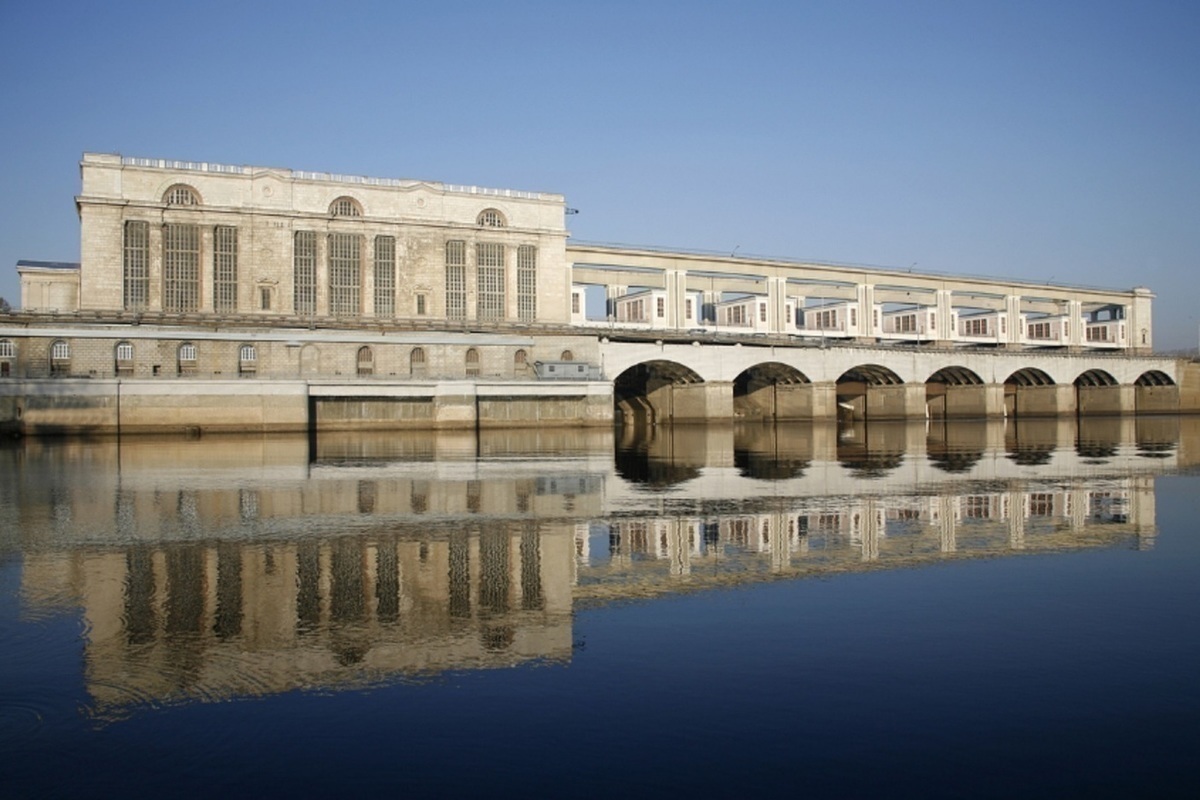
column 874, row 392
column 772, row 390
column 655, row 392
column 1030, row 392
column 958, row 392
column 1154, row 392
column 1098, row 393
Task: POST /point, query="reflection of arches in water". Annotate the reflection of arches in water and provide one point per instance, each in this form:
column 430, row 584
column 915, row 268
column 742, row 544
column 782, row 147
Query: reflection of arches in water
column 635, row 465
column 863, row 464
column 1155, row 449
column 1096, row 448
column 642, row 393
column 1031, row 455
column 768, row 467
column 954, row 460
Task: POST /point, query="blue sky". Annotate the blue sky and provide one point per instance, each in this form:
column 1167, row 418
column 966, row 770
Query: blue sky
column 1038, row 140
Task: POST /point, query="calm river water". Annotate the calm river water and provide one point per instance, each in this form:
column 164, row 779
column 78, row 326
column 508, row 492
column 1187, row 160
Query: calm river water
column 971, row 610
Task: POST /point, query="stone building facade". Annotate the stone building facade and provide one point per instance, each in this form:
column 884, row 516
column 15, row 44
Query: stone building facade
column 187, row 237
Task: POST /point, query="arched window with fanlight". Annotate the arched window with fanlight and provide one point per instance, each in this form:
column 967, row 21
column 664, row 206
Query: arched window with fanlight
column 416, row 361
column 247, row 360
column 345, row 207
column 8, row 355
column 187, row 358
column 472, row 360
column 366, row 361
column 60, row 357
column 181, row 195
column 491, row 218
column 124, row 358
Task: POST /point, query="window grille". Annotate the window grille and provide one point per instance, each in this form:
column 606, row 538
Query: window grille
column 385, row 276
column 60, row 351
column 456, row 253
column 489, row 260
column 225, row 268
column 420, row 305
column 491, row 218
column 124, row 351
column 345, row 274
column 248, row 355
column 527, row 283
column 416, row 361
column 762, row 312
column 366, row 361
column 304, row 269
column 137, row 265
column 187, row 357
column 472, row 362
column 345, row 207
column 456, row 292
column 687, row 309
column 660, row 307
column 575, row 302
column 181, row 195
column 181, row 267
column 7, row 349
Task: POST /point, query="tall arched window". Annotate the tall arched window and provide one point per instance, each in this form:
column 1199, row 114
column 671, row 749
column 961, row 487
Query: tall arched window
column 345, row 207
column 60, row 357
column 366, row 361
column 187, row 358
column 124, row 358
column 416, row 361
column 472, row 361
column 247, row 360
column 491, row 218
column 181, row 195
column 8, row 354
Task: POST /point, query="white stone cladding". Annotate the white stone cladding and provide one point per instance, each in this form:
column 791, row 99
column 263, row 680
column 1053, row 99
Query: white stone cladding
column 269, row 206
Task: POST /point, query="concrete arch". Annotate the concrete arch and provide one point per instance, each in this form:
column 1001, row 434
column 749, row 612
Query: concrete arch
column 871, row 375
column 657, row 391
column 1029, row 376
column 955, row 376
column 772, row 390
column 1155, row 392
column 1095, row 377
column 872, row 391
column 960, row 392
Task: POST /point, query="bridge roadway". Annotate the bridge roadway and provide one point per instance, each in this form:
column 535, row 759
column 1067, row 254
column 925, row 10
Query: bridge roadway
column 670, row 380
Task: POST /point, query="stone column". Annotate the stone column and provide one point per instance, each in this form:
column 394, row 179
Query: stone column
column 776, row 304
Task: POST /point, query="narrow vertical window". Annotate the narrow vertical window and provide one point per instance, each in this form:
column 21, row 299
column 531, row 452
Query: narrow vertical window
column 124, row 359
column 472, row 360
column 225, row 268
column 137, row 266
column 527, row 283
column 456, row 280
column 345, row 275
column 489, row 264
column 304, row 268
column 181, row 267
column 385, row 276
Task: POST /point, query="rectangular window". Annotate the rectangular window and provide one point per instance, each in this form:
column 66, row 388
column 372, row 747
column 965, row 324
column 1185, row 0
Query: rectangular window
column 225, row 268
column 762, row 312
column 345, row 274
column 264, row 298
column 385, row 276
column 526, row 283
column 304, row 270
column 687, row 309
column 489, row 264
column 456, row 280
column 574, row 302
column 420, row 305
column 660, row 307
column 137, row 265
column 181, row 267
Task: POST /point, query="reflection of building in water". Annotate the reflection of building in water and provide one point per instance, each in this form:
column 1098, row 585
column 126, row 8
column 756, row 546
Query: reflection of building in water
column 184, row 620
column 821, row 534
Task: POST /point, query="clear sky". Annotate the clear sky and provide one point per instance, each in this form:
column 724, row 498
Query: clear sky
column 1038, row 140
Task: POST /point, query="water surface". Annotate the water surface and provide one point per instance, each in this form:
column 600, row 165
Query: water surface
column 947, row 610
